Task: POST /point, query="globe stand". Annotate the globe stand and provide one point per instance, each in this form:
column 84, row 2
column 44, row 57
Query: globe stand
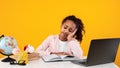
column 8, row 59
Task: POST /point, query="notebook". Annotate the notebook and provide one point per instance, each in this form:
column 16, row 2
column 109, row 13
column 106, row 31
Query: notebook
column 54, row 58
column 101, row 51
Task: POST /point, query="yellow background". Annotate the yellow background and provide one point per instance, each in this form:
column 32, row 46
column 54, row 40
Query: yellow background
column 31, row 21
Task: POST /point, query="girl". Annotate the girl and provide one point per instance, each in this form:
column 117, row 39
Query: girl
column 67, row 42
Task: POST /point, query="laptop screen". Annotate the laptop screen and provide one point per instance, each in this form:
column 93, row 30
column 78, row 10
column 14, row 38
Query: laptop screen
column 102, row 51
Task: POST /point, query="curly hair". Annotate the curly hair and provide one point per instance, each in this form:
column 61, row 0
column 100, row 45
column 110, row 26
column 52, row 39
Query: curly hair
column 79, row 25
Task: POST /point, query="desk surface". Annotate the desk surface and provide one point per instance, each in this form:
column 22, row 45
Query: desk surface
column 63, row 64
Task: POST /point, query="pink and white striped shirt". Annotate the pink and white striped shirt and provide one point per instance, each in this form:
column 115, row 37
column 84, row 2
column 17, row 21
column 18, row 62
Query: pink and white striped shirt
column 51, row 44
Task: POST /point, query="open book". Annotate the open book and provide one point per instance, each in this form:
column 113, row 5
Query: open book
column 53, row 57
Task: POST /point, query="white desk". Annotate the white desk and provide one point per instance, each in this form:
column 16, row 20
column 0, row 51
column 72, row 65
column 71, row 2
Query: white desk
column 63, row 64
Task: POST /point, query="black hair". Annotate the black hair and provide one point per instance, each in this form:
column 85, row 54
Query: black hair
column 79, row 25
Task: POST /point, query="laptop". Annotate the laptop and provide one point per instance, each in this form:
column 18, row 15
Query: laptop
column 101, row 51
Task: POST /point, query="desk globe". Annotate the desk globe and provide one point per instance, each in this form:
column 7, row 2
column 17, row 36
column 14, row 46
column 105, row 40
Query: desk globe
column 7, row 44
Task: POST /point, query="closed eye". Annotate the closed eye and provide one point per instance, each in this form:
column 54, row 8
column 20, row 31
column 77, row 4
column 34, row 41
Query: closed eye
column 70, row 30
column 65, row 27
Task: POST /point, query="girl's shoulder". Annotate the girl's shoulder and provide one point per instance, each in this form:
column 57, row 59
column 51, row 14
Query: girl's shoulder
column 53, row 36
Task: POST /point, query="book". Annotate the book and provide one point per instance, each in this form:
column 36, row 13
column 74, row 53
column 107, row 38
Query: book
column 54, row 57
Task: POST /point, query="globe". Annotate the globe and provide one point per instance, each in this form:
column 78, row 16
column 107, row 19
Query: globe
column 7, row 44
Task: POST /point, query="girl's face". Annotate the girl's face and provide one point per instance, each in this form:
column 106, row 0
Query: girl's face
column 67, row 28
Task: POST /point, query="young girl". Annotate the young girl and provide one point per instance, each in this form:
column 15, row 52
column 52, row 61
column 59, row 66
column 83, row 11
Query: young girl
column 67, row 42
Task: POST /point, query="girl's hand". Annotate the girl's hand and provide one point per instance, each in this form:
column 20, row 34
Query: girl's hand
column 60, row 53
column 70, row 36
column 33, row 56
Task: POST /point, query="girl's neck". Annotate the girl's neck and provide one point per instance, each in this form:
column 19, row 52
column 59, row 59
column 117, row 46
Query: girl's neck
column 62, row 39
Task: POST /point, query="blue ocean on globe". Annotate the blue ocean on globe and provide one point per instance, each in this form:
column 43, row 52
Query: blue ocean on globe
column 8, row 44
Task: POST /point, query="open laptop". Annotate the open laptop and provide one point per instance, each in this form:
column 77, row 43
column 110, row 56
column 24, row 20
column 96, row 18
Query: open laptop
column 101, row 51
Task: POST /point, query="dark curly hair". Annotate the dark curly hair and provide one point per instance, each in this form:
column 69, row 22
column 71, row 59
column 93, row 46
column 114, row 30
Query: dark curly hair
column 79, row 25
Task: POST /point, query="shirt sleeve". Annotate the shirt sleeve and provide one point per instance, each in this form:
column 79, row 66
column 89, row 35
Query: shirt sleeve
column 42, row 49
column 75, row 48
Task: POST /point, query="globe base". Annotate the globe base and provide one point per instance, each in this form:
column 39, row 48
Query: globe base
column 8, row 59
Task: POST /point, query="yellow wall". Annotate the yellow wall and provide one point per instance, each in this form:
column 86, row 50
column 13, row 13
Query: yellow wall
column 31, row 21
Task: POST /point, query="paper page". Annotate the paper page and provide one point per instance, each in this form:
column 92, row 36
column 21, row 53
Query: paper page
column 52, row 57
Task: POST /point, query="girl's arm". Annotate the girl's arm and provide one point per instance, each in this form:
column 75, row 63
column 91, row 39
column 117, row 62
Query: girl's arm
column 75, row 48
column 60, row 53
column 42, row 49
